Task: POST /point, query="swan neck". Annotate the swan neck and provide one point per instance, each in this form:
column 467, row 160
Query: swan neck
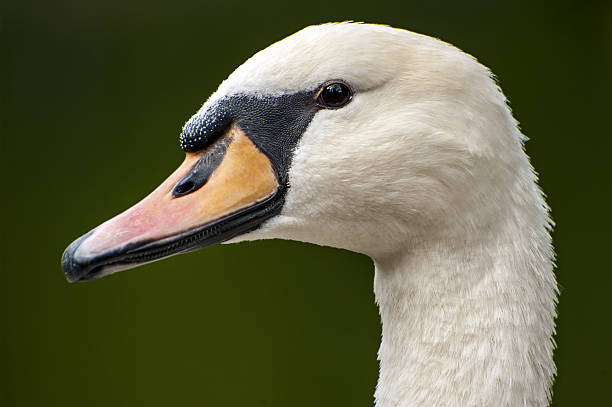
column 467, row 323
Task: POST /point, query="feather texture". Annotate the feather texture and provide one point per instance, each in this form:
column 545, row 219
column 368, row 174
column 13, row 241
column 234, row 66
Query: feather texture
column 425, row 172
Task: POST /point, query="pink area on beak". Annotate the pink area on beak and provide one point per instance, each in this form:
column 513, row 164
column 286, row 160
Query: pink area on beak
column 244, row 177
column 157, row 216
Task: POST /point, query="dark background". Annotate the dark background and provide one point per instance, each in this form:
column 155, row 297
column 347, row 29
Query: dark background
column 93, row 97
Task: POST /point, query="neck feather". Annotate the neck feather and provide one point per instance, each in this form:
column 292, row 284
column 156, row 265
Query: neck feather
column 468, row 323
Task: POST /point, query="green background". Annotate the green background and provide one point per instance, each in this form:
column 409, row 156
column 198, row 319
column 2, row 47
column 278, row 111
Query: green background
column 94, row 95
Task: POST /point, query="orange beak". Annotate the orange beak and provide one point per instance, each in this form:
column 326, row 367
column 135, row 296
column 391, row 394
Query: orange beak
column 186, row 212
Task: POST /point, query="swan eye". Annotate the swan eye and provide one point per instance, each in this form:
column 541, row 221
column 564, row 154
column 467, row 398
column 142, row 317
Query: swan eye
column 334, row 95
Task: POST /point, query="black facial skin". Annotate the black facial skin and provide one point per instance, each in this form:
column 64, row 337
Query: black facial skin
column 274, row 124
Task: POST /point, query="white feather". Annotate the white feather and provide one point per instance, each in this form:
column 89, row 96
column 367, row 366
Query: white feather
column 425, row 172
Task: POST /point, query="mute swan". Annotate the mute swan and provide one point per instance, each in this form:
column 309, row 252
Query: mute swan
column 388, row 143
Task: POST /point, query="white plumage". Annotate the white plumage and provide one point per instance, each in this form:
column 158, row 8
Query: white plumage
column 425, row 172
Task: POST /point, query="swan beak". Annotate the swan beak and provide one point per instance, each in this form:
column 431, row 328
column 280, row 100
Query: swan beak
column 216, row 194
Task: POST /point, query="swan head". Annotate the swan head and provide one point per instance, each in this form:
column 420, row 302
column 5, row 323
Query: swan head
column 357, row 136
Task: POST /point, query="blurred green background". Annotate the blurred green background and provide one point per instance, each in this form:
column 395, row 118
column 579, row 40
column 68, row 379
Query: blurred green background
column 93, row 97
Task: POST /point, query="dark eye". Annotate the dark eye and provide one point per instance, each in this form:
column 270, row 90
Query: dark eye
column 334, row 95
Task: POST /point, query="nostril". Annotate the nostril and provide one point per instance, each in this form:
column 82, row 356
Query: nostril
column 202, row 169
column 183, row 188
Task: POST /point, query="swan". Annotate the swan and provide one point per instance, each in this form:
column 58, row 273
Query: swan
column 388, row 143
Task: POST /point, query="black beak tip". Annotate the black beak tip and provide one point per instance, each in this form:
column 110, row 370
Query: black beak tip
column 74, row 269
column 71, row 268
